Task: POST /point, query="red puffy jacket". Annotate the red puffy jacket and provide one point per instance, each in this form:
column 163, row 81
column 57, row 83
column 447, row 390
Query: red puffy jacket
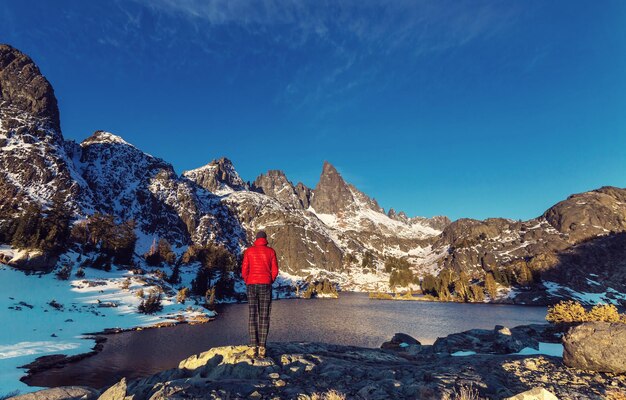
column 259, row 265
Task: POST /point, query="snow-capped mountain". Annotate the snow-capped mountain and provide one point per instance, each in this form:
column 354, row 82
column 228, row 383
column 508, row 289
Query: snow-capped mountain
column 130, row 184
column 333, row 230
column 107, row 174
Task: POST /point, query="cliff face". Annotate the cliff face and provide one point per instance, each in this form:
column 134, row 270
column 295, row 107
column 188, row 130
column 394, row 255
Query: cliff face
column 572, row 251
column 34, row 164
column 25, row 92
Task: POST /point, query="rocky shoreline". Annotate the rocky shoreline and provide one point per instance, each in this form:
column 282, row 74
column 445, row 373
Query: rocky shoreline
column 401, row 369
column 44, row 363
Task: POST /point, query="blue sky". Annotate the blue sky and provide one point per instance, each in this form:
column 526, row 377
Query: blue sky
column 463, row 108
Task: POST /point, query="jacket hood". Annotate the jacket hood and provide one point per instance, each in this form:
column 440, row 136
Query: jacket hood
column 260, row 242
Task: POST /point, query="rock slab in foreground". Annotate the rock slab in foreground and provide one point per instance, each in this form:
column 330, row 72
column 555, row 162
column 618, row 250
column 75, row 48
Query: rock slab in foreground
column 300, row 370
column 303, row 371
column 596, row 346
column 534, row 394
column 61, row 393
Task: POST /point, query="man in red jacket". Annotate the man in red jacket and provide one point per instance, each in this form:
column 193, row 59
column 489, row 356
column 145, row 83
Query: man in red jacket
column 259, row 270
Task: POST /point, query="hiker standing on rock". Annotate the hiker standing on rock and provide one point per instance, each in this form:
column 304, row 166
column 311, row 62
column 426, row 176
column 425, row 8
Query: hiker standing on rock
column 259, row 270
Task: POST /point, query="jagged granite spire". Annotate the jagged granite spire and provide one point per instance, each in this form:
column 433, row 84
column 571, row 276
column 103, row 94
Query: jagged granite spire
column 34, row 164
column 333, row 195
column 25, row 92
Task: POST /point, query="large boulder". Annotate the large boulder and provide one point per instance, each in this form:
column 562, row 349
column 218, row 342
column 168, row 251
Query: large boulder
column 402, row 342
column 116, row 392
column 500, row 340
column 29, row 260
column 596, row 346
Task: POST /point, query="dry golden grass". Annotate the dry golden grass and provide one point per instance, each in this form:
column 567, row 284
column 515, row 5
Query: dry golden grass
column 330, row 395
column 408, row 296
column 380, row 296
column 464, row 393
column 616, row 395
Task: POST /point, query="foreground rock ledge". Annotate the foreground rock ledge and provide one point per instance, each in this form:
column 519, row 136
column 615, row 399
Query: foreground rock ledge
column 299, row 370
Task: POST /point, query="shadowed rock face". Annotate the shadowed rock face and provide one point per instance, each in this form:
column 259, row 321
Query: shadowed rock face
column 577, row 243
column 23, row 89
column 126, row 182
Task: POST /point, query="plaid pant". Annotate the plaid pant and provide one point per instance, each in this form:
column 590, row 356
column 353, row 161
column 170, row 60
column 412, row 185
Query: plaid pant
column 259, row 306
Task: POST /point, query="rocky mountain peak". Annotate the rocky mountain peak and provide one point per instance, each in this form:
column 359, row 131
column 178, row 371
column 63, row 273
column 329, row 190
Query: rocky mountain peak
column 218, row 176
column 104, row 137
column 275, row 184
column 398, row 216
column 585, row 215
column 438, row 222
column 332, row 194
column 25, row 92
column 34, row 163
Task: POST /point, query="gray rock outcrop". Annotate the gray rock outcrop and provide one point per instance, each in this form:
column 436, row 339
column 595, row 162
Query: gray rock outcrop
column 300, row 370
column 24, row 90
column 61, row 393
column 596, row 346
column 500, row 340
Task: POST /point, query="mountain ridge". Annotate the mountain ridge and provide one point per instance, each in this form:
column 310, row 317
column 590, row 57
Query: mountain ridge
column 331, row 231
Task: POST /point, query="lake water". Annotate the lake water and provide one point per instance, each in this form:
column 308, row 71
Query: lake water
column 353, row 319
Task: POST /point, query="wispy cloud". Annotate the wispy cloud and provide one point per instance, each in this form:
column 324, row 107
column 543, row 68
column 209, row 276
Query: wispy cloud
column 353, row 39
column 321, row 54
column 383, row 25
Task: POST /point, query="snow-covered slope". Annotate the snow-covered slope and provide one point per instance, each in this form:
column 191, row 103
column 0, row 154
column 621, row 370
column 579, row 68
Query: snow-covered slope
column 90, row 304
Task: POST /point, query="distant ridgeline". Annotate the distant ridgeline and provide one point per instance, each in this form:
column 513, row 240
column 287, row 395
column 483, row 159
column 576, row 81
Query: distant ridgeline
column 116, row 205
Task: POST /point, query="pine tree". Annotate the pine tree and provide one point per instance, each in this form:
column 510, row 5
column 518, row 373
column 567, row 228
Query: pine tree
column 28, row 228
column 209, row 296
column 174, row 278
column 477, row 293
column 461, row 286
column 429, row 285
column 124, row 241
column 56, row 228
column 151, row 304
column 490, row 285
column 165, row 252
column 182, row 295
column 525, row 276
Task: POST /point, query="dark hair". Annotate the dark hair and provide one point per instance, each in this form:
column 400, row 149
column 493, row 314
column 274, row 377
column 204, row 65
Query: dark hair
column 261, row 234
